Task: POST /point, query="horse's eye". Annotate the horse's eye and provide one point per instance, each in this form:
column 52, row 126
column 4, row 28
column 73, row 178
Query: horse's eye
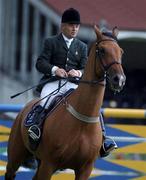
column 101, row 52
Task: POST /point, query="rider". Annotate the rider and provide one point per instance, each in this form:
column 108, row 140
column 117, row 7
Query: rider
column 63, row 55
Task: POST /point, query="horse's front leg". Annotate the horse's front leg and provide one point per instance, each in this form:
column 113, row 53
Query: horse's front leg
column 44, row 171
column 84, row 172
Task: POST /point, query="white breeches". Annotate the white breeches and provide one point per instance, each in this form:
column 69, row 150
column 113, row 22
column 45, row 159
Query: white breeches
column 51, row 86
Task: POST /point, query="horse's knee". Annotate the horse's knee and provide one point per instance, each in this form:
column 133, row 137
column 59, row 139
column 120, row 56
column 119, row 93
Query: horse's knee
column 44, row 171
column 84, row 172
column 9, row 176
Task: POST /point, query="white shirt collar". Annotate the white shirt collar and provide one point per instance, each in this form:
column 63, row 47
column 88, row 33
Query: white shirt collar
column 66, row 39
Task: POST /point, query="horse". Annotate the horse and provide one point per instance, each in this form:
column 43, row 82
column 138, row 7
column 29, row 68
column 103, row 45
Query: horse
column 72, row 135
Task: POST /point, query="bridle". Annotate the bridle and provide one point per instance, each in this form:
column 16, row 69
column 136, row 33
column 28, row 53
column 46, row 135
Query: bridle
column 98, row 54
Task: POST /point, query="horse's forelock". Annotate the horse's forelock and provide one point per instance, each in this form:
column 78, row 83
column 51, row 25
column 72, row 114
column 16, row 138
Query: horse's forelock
column 110, row 35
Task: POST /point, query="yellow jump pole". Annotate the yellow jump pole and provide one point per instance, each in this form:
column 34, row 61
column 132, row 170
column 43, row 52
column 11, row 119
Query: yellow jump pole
column 124, row 113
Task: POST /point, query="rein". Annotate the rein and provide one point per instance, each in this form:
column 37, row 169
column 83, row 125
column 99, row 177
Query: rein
column 78, row 80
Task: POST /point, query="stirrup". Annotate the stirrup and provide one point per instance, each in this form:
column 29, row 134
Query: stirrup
column 34, row 132
column 107, row 147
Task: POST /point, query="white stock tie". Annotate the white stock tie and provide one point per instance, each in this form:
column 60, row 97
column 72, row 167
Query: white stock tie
column 67, row 43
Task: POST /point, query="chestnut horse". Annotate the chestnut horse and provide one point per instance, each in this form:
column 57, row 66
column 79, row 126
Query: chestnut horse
column 72, row 134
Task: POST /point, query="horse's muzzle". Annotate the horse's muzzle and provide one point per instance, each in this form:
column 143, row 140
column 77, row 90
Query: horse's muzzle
column 117, row 82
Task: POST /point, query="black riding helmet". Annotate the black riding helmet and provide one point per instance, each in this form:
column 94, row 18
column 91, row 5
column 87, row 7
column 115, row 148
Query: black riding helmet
column 71, row 16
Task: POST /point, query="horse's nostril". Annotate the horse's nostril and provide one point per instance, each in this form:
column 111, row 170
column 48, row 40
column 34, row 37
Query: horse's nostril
column 116, row 79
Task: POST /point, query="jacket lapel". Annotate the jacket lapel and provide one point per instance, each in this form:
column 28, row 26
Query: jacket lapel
column 74, row 48
column 62, row 42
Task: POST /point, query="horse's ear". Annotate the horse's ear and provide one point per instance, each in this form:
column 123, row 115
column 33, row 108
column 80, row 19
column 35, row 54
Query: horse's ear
column 115, row 31
column 98, row 32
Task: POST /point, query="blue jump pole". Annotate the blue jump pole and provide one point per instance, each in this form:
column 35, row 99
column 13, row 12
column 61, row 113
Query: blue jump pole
column 10, row 108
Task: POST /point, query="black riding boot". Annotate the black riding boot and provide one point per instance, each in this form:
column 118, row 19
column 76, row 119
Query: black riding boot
column 108, row 143
column 36, row 119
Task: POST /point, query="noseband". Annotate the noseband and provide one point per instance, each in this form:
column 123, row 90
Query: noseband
column 98, row 54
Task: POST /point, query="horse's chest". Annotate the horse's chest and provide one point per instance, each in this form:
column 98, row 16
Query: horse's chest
column 80, row 150
column 87, row 147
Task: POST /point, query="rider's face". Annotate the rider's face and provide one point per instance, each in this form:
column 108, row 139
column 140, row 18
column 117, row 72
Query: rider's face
column 70, row 30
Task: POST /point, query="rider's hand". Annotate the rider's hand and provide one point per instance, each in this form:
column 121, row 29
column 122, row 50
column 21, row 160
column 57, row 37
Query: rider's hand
column 74, row 73
column 61, row 72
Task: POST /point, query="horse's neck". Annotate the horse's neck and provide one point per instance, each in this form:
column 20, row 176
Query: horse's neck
column 88, row 98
